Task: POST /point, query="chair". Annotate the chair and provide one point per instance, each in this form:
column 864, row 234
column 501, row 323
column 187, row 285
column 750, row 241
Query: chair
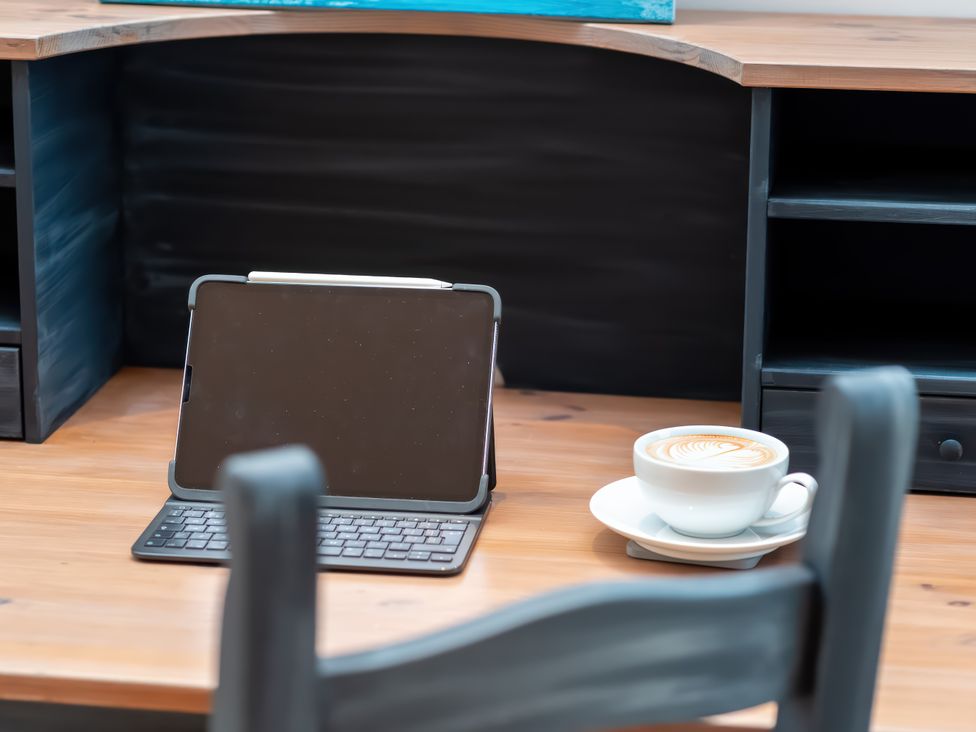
column 594, row 656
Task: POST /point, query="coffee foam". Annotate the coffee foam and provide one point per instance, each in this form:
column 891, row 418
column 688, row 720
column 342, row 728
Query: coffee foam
column 712, row 451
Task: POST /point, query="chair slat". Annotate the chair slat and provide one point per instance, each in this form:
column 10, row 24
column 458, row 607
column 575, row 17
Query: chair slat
column 593, row 656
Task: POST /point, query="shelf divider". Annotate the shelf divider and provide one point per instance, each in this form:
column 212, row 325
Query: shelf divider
column 840, row 207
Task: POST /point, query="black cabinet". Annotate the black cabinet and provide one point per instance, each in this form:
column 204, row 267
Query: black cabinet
column 946, row 458
column 864, row 257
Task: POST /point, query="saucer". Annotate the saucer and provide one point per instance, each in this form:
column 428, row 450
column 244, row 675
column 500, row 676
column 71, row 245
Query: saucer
column 622, row 507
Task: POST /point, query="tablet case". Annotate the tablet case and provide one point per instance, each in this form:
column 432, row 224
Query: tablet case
column 487, row 482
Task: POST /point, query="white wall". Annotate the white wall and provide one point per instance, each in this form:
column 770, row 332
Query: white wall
column 949, row 8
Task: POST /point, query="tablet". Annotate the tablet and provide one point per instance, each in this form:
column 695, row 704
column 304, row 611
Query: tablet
column 388, row 380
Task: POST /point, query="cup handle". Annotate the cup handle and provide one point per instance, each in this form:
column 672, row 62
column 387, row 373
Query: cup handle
column 801, row 479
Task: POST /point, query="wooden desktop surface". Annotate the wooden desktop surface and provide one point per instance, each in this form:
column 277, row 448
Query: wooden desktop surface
column 753, row 49
column 81, row 621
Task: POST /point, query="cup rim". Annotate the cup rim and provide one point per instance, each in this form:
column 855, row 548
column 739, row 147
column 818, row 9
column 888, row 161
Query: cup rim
column 689, row 429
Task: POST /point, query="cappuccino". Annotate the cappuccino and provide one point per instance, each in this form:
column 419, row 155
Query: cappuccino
column 725, row 452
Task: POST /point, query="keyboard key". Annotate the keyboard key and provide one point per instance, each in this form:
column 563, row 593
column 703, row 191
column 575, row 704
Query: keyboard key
column 428, row 525
column 447, row 548
column 399, row 547
column 351, row 552
column 216, row 522
column 413, row 532
column 342, row 521
column 377, row 545
column 390, row 554
column 195, row 521
column 217, row 529
column 369, row 529
column 353, row 516
column 194, row 514
column 330, row 551
column 196, row 545
column 217, row 546
column 431, row 532
column 328, row 535
column 441, row 557
column 355, row 544
column 154, row 542
column 176, row 543
column 182, row 535
column 419, row 556
column 348, row 535
column 452, row 537
column 175, row 512
column 332, row 542
column 384, row 522
column 170, row 527
column 433, row 540
column 407, row 524
column 413, row 540
column 390, row 531
column 373, row 554
column 163, row 534
column 458, row 521
column 200, row 536
column 363, row 522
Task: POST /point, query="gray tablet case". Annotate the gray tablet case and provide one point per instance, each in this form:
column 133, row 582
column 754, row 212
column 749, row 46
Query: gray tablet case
column 278, row 279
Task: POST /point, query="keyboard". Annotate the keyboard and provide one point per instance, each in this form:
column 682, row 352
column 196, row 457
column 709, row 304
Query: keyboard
column 378, row 541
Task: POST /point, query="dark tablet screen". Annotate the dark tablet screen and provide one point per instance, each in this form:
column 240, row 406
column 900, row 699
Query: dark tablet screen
column 389, row 386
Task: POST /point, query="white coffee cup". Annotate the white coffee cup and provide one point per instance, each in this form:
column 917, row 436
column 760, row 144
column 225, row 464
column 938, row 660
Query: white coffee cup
column 717, row 501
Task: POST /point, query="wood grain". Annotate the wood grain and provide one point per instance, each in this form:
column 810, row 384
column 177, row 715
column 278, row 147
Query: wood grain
column 753, row 49
column 82, row 622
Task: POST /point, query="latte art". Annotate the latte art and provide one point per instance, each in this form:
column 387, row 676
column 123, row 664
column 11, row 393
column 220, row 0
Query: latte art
column 712, row 451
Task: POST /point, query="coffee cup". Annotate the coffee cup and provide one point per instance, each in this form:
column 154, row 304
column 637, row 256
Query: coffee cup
column 711, row 482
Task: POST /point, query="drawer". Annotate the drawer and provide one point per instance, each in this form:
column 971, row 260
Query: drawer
column 946, row 456
column 11, row 420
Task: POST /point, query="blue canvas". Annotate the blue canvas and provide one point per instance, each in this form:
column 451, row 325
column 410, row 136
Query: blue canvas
column 639, row 11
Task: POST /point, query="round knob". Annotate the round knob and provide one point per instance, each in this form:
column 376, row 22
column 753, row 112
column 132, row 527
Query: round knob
column 950, row 450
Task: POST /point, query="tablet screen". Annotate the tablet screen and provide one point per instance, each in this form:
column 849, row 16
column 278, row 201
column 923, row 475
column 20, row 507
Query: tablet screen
column 389, row 386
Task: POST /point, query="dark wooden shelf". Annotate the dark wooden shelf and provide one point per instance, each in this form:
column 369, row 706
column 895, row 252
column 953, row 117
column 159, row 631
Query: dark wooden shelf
column 870, row 206
column 809, row 373
column 9, row 327
column 9, row 303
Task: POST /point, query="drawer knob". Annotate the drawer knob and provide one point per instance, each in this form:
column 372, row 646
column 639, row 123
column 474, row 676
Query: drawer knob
column 950, row 450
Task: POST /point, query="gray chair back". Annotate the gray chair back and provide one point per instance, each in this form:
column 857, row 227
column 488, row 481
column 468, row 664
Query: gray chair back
column 595, row 656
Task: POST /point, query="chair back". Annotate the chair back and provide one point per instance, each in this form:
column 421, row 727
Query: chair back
column 600, row 655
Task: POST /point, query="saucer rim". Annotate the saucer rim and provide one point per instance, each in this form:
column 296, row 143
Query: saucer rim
column 764, row 544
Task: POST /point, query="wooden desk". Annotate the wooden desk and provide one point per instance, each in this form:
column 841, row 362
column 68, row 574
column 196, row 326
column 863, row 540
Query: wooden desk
column 753, row 49
column 82, row 622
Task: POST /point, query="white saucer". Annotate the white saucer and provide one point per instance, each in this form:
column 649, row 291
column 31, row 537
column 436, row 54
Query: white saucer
column 622, row 507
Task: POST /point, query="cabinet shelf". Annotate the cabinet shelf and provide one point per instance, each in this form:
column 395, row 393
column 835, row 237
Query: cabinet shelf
column 845, row 295
column 866, row 203
column 9, row 316
column 809, row 372
column 870, row 156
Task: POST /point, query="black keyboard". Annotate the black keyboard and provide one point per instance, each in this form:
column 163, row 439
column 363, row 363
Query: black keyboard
column 346, row 539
